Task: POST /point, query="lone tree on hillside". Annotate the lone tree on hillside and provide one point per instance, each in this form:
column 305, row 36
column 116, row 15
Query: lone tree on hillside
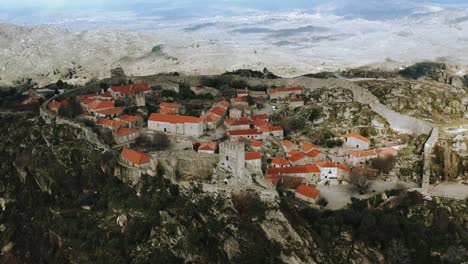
column 359, row 181
column 385, row 164
column 72, row 109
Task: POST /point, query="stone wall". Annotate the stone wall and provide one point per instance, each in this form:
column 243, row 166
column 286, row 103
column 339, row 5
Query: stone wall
column 86, row 132
column 187, row 165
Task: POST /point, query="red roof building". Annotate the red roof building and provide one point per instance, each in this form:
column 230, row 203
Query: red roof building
column 109, row 123
column 169, row 108
column 114, row 111
column 253, row 156
column 259, row 117
column 100, row 105
column 308, row 191
column 135, row 158
column 174, row 119
column 223, row 104
column 306, row 169
column 125, row 131
column 279, row 163
column 130, row 118
column 125, row 90
column 208, row 147
column 355, row 135
column 32, row 100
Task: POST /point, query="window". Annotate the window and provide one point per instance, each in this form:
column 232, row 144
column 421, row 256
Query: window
column 227, row 158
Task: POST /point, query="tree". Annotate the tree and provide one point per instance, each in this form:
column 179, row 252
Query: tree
column 161, row 141
column 72, row 109
column 314, row 114
column 384, row 164
column 359, row 181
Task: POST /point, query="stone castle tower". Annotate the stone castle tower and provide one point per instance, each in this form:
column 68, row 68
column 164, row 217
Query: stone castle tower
column 231, row 165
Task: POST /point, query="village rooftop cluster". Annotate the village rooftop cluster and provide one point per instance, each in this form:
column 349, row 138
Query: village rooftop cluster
column 227, row 122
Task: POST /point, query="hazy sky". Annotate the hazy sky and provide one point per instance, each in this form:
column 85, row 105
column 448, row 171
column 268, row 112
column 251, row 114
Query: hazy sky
column 85, row 13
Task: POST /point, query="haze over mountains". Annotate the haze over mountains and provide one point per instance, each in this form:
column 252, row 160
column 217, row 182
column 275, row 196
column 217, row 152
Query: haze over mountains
column 215, row 36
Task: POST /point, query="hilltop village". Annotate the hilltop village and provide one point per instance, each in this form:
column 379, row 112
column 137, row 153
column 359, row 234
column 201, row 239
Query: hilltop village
column 239, row 130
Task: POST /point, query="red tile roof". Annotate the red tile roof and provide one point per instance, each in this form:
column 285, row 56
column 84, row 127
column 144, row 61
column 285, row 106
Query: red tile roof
column 125, row 131
column 208, row 145
column 85, row 96
column 260, row 123
column 285, row 89
column 170, row 105
column 219, row 111
column 32, row 99
column 237, row 121
column 363, row 153
column 109, row 122
column 130, row 118
column 256, row 143
column 330, row 164
column 243, row 132
column 242, row 92
column 55, row 105
column 210, row 117
column 355, row 135
column 101, row 104
column 271, row 128
column 308, row 191
column 87, row 101
column 135, row 157
column 287, row 143
column 253, row 155
column 280, row 161
column 313, row 153
column 259, row 117
column 224, row 104
column 168, row 111
column 242, row 99
column 105, row 94
column 292, row 100
column 296, row 157
column 307, row 147
column 174, row 119
column 132, row 88
column 294, row 170
column 112, row 111
column 293, row 152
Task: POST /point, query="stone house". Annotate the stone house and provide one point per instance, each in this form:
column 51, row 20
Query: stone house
column 136, row 91
column 170, row 108
column 279, row 163
column 253, row 161
column 208, row 147
column 110, row 112
column 131, row 121
column 110, row 124
column 245, row 133
column 135, row 158
column 237, row 123
column 240, row 101
column 309, row 173
column 256, row 145
column 238, row 111
column 355, row 140
column 272, row 131
column 307, row 193
column 177, row 125
column 332, row 172
column 55, row 105
column 32, row 100
column 295, row 103
column 125, row 135
column 288, row 146
column 284, row 92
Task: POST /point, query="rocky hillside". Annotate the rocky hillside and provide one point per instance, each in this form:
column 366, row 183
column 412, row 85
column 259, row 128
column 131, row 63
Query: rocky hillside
column 60, row 205
column 47, row 54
